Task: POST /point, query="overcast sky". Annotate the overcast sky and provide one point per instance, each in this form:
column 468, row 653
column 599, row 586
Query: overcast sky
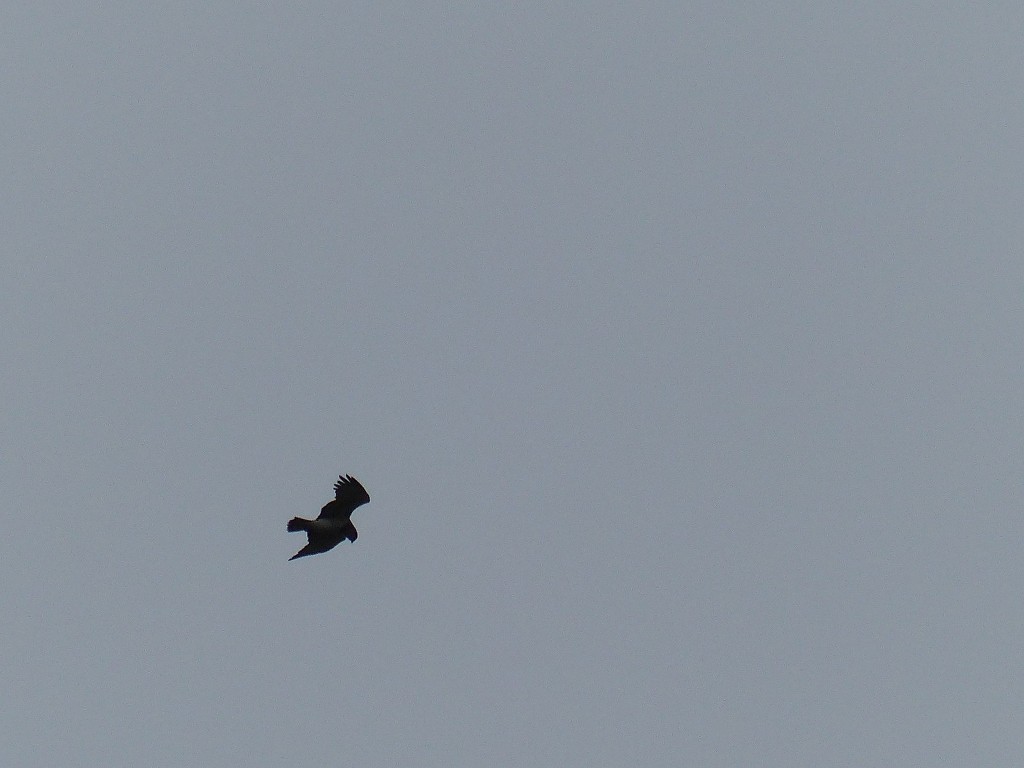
column 677, row 344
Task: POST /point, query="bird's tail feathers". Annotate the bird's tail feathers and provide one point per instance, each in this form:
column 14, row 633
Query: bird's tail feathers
column 299, row 524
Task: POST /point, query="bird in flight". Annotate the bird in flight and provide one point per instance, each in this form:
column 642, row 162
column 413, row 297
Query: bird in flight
column 334, row 524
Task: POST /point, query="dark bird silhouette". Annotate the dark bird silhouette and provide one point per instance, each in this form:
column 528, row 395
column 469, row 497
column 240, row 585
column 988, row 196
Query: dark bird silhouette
column 334, row 524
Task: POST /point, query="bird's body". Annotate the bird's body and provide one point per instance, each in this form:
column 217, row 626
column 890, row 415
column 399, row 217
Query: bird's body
column 334, row 524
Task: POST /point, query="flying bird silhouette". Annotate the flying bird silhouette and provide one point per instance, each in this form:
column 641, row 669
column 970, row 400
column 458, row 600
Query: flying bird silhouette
column 334, row 524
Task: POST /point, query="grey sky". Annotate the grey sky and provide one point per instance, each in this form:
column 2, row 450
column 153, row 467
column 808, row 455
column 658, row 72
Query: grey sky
column 678, row 346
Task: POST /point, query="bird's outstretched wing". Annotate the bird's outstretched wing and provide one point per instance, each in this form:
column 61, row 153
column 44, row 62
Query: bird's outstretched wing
column 348, row 494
